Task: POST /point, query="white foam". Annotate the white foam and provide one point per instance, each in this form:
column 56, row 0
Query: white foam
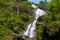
column 34, row 6
column 31, row 30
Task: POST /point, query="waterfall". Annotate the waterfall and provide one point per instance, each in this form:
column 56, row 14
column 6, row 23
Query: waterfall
column 31, row 30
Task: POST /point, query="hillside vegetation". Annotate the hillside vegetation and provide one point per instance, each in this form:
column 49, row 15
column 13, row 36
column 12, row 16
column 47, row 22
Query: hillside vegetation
column 14, row 18
column 16, row 15
column 48, row 26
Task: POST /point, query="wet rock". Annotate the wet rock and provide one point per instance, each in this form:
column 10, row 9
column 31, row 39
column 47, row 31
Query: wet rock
column 21, row 38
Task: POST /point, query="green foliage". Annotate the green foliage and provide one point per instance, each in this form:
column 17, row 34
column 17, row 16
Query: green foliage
column 47, row 26
column 42, row 5
column 5, row 32
column 7, row 1
column 27, row 3
column 10, row 22
column 54, row 6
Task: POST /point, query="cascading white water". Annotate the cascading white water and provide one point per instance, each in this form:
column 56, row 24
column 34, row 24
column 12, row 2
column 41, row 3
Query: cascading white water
column 31, row 30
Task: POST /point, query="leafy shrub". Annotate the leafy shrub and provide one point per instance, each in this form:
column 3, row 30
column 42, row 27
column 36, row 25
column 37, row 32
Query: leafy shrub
column 5, row 32
column 49, row 27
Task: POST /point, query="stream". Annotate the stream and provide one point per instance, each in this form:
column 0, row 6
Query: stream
column 31, row 30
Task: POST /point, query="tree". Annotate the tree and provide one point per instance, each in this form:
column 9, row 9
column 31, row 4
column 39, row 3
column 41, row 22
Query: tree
column 20, row 0
column 45, row 0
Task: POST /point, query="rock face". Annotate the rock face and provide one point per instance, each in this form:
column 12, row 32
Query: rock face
column 20, row 38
